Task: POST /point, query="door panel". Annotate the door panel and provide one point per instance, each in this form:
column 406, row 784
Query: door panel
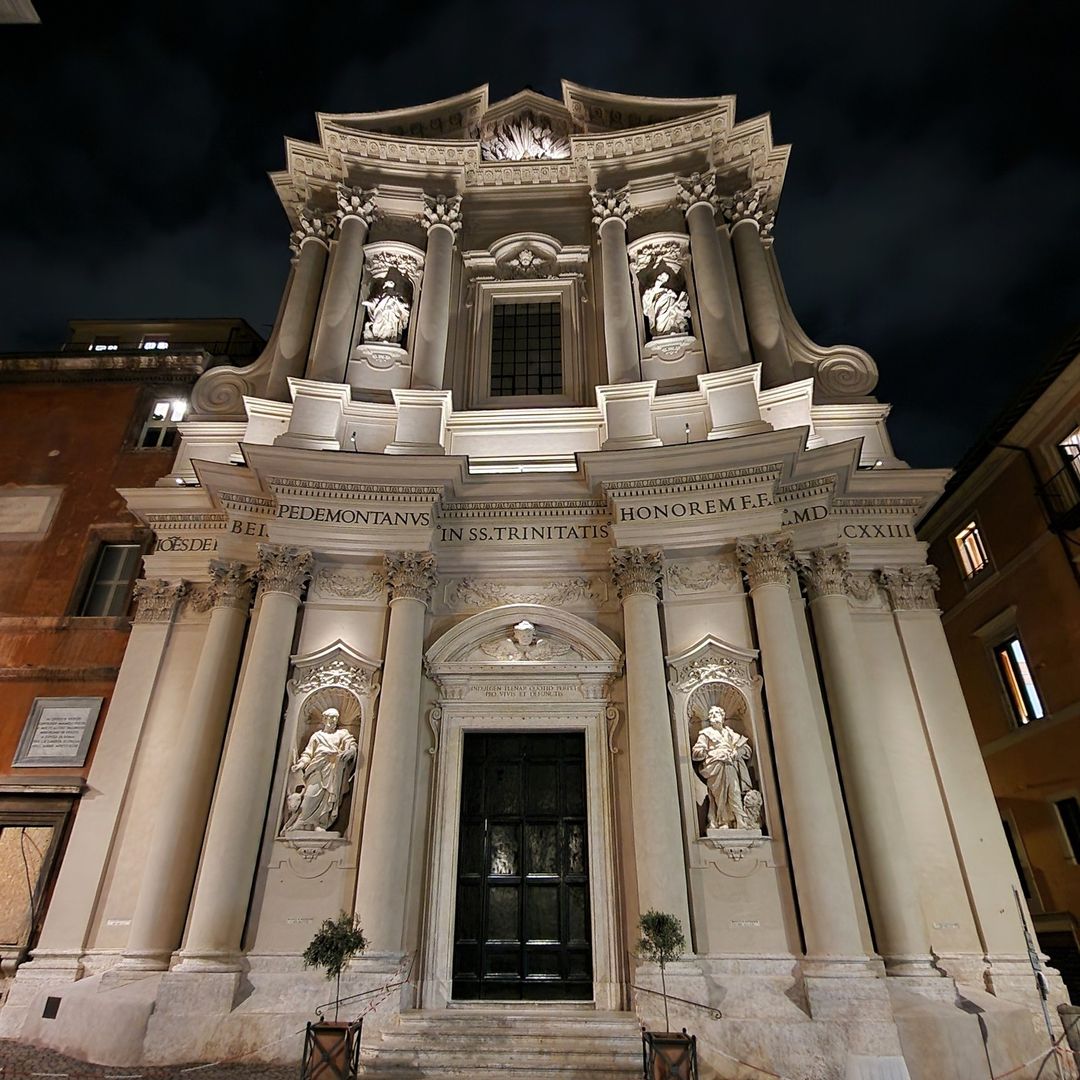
column 522, row 926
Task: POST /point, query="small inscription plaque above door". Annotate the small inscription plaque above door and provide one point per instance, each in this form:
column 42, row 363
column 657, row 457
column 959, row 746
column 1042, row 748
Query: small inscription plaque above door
column 57, row 732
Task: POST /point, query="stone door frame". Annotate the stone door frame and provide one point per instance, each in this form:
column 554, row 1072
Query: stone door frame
column 482, row 695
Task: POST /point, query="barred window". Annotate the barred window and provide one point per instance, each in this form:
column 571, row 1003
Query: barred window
column 526, row 349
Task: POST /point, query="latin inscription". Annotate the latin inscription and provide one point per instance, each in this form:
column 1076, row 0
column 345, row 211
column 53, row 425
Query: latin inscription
column 170, row 544
column 474, row 534
column 877, row 532
column 695, row 507
column 351, row 515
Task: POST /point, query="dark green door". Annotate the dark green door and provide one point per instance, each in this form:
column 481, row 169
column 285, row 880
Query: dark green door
column 522, row 927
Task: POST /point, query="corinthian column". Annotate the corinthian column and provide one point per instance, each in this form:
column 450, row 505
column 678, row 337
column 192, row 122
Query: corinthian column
column 719, row 317
column 442, row 215
column 330, row 355
column 611, row 212
column 884, row 856
column 311, row 241
column 657, row 815
column 184, row 803
column 383, row 878
column 64, row 935
column 751, row 221
column 236, row 824
column 815, row 830
column 973, row 814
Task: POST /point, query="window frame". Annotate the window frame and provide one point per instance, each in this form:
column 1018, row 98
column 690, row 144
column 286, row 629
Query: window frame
column 88, row 578
column 1016, row 686
column 163, row 427
column 508, row 357
column 1072, row 850
column 973, row 530
column 566, row 292
column 1014, row 840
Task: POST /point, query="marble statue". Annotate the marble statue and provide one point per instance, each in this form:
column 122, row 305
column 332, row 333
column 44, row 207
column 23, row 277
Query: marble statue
column 666, row 311
column 326, row 767
column 524, row 644
column 734, row 803
column 388, row 315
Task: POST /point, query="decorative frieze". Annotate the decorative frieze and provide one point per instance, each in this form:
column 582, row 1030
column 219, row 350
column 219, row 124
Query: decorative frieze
column 356, row 203
column 696, row 188
column 442, row 210
column 523, row 137
column 766, row 560
column 911, row 588
column 283, row 569
column 349, row 584
column 157, row 599
column 824, row 572
column 700, row 575
column 481, row 593
column 636, row 570
column 411, row 575
column 750, row 205
column 231, row 584
column 611, row 204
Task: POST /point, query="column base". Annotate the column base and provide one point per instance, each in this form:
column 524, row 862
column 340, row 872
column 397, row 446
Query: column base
column 198, row 991
column 145, row 960
column 217, row 962
column 915, row 966
column 839, row 987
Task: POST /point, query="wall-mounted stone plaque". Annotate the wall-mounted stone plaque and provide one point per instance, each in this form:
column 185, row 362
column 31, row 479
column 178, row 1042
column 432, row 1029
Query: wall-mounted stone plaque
column 57, row 733
column 27, row 512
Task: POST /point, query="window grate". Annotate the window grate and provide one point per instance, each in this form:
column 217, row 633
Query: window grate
column 526, row 349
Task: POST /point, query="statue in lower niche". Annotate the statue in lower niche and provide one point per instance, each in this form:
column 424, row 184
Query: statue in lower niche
column 734, row 803
column 326, row 767
column 387, row 315
column 666, row 311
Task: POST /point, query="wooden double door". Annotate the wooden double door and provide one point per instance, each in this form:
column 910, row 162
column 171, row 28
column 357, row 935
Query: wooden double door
column 522, row 928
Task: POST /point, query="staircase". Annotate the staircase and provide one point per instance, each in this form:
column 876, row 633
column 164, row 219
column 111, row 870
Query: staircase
column 518, row 1043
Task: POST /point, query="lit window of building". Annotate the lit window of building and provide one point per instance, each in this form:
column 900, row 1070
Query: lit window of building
column 972, row 551
column 105, row 344
column 1070, row 450
column 155, row 343
column 109, row 590
column 1019, row 685
column 160, row 428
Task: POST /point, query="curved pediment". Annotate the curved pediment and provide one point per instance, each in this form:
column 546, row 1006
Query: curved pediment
column 523, row 638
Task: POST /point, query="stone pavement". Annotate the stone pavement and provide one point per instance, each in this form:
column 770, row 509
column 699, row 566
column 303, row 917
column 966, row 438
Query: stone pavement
column 21, row 1062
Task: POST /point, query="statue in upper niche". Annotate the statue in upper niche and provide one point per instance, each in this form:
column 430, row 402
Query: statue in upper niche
column 326, row 767
column 388, row 315
column 667, row 311
column 524, row 644
column 734, row 802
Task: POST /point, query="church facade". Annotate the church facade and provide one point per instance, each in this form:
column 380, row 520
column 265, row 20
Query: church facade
column 541, row 572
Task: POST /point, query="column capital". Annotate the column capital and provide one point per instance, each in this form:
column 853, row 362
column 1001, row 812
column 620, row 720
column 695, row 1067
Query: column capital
column 697, row 188
column 824, row 571
column 766, row 560
column 636, row 570
column 911, row 588
column 750, row 205
column 608, row 204
column 283, row 569
column 354, row 202
column 442, row 210
column 231, row 584
column 157, row 599
column 313, row 224
column 411, row 575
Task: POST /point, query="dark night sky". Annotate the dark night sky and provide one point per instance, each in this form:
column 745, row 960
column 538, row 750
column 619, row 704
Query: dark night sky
column 930, row 214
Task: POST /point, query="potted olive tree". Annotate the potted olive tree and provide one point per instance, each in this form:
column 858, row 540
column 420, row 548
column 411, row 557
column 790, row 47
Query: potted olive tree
column 669, row 1055
column 332, row 1047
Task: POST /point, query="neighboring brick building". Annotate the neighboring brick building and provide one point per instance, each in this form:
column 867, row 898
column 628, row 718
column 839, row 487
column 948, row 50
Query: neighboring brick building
column 75, row 425
column 1006, row 539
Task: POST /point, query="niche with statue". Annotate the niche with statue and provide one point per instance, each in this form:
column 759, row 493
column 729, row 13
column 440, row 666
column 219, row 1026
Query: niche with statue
column 331, row 696
column 670, row 347
column 723, row 758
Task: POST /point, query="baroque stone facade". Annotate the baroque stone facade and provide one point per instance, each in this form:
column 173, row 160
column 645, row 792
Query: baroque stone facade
column 572, row 521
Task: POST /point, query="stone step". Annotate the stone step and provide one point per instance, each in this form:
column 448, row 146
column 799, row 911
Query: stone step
column 568, row 1043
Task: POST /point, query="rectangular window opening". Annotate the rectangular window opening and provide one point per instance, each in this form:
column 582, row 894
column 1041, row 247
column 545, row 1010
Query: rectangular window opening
column 108, row 592
column 1070, row 451
column 1021, row 870
column 972, row 551
column 1019, row 684
column 526, row 349
column 160, row 429
column 1069, row 813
